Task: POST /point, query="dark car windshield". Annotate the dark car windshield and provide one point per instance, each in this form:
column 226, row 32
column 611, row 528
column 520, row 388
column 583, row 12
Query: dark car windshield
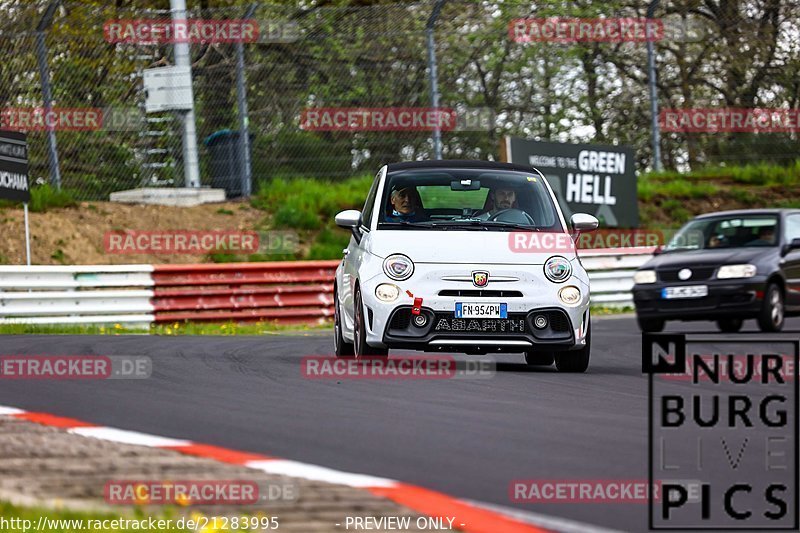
column 478, row 199
column 737, row 231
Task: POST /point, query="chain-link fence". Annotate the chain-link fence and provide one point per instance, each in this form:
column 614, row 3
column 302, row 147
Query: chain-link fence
column 501, row 71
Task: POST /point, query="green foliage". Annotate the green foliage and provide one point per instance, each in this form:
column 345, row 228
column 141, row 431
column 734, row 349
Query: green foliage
column 329, row 244
column 307, row 204
column 45, row 197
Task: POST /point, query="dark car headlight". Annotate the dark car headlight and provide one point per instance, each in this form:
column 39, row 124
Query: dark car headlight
column 642, row 277
column 736, row 271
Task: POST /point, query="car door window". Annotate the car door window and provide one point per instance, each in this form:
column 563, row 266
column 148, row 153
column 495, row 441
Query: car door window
column 366, row 213
column 792, row 230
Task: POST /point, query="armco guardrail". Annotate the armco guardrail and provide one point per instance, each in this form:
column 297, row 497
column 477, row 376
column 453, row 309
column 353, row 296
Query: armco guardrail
column 105, row 294
column 286, row 292
column 611, row 274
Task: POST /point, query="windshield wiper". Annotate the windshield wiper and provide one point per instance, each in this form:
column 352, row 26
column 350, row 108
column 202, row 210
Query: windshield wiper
column 497, row 223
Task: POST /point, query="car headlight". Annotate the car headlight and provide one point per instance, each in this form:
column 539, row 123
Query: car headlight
column 386, row 292
column 736, row 271
column 398, row 267
column 557, row 269
column 644, row 276
column 570, row 295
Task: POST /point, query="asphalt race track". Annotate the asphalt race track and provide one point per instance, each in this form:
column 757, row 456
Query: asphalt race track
column 468, row 438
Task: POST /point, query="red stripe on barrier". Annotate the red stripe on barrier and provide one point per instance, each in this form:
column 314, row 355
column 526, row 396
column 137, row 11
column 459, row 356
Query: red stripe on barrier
column 467, row 517
column 301, row 315
column 241, row 302
column 223, row 455
column 237, row 267
column 289, row 292
column 53, row 420
column 276, row 289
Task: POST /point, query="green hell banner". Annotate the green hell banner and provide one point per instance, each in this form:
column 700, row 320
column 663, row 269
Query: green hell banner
column 586, row 178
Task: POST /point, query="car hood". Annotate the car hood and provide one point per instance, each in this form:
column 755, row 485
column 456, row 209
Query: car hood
column 709, row 257
column 449, row 246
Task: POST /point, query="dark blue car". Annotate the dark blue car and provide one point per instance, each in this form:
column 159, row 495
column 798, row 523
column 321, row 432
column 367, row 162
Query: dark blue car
column 729, row 267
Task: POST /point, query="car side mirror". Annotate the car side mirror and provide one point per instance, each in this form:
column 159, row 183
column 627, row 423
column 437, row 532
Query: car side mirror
column 581, row 222
column 348, row 219
column 658, row 249
column 794, row 245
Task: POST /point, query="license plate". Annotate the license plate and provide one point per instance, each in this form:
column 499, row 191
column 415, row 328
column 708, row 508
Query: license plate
column 481, row 310
column 693, row 291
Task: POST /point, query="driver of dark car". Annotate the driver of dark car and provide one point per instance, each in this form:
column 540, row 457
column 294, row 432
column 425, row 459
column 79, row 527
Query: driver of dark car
column 766, row 237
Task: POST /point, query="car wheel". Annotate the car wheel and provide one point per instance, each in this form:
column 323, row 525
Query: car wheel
column 360, row 346
column 576, row 361
column 770, row 318
column 539, row 358
column 342, row 348
column 650, row 325
column 730, row 325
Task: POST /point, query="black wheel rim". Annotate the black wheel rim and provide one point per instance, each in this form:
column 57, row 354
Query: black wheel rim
column 776, row 307
column 357, row 326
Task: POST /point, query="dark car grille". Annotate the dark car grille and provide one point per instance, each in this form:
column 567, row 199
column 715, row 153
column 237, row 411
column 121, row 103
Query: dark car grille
column 698, row 274
column 480, row 293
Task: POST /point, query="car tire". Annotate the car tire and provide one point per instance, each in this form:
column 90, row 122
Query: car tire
column 772, row 313
column 539, row 358
column 576, row 361
column 360, row 346
column 650, row 325
column 342, row 348
column 730, row 325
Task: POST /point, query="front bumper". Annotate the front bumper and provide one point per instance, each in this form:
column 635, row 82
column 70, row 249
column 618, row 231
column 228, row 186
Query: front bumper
column 736, row 298
column 443, row 332
column 389, row 325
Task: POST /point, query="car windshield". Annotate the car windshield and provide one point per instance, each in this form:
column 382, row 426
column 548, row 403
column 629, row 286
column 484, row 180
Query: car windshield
column 725, row 232
column 477, row 199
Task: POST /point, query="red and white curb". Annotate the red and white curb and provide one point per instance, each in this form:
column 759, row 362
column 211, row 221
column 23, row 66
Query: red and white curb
column 469, row 517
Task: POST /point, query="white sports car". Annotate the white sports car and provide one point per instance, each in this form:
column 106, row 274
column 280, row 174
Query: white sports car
column 433, row 264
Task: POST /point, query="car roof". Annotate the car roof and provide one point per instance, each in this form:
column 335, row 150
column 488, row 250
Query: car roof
column 743, row 212
column 458, row 163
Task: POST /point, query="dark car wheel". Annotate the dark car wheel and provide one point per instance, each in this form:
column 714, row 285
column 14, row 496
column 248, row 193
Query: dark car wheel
column 730, row 325
column 342, row 348
column 771, row 316
column 576, row 361
column 650, row 325
column 539, row 358
column 362, row 349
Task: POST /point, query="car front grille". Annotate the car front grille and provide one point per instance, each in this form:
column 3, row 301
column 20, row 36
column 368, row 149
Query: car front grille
column 480, row 293
column 698, row 274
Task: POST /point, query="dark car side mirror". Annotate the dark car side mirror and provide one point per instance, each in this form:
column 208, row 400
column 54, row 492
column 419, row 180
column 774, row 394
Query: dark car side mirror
column 658, row 249
column 794, row 245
